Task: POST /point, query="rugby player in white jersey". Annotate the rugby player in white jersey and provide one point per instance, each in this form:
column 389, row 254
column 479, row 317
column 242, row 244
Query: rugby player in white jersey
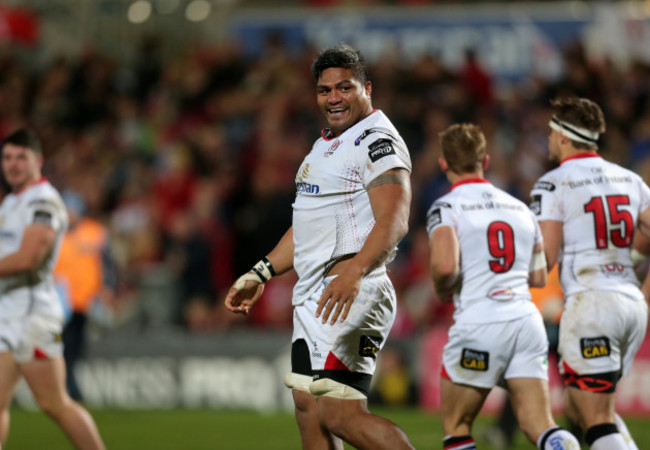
column 351, row 210
column 33, row 220
column 588, row 209
column 486, row 250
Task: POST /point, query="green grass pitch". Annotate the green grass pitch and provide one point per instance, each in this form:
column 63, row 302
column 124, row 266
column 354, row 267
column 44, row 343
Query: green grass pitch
column 232, row 430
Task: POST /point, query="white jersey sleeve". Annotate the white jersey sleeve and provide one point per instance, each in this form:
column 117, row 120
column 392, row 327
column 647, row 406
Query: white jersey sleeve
column 381, row 152
column 440, row 214
column 45, row 211
column 546, row 199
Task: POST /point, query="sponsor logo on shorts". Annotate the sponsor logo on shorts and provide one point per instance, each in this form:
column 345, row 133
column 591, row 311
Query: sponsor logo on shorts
column 369, row 346
column 474, row 360
column 434, row 217
column 595, row 347
column 544, row 185
column 536, row 204
column 380, row 148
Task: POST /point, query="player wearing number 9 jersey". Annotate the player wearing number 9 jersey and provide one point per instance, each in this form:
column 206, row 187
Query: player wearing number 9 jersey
column 588, row 209
column 489, row 244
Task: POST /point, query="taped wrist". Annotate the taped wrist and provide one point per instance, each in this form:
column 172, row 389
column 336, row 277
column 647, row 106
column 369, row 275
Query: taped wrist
column 261, row 272
column 538, row 261
column 264, row 270
column 637, row 257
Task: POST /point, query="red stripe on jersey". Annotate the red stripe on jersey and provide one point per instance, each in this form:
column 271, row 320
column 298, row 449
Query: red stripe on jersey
column 444, row 374
column 581, row 155
column 468, row 181
column 333, row 363
column 39, row 354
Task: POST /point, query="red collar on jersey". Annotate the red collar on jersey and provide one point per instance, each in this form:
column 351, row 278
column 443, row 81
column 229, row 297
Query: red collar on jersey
column 39, row 181
column 326, row 133
column 581, row 155
column 467, row 181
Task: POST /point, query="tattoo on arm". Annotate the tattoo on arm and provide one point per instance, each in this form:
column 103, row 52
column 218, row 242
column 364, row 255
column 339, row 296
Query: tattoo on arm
column 396, row 176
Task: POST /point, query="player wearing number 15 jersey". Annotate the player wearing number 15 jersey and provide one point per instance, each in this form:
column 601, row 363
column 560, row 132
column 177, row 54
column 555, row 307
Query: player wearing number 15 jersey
column 490, row 244
column 588, row 209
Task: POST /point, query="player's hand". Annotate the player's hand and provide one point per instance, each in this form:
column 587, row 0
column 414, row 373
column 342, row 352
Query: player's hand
column 337, row 298
column 240, row 299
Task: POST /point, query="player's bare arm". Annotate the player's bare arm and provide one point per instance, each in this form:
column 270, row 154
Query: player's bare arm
column 249, row 287
column 390, row 199
column 538, row 275
column 553, row 239
column 445, row 262
column 37, row 242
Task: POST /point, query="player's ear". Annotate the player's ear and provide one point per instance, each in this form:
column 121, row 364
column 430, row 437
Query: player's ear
column 368, row 88
column 443, row 164
column 486, row 162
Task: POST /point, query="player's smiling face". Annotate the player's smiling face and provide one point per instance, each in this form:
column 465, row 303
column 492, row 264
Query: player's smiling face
column 342, row 98
column 20, row 166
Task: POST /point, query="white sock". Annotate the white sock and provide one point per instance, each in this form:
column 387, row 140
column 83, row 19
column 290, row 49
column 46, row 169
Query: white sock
column 622, row 428
column 612, row 441
column 556, row 438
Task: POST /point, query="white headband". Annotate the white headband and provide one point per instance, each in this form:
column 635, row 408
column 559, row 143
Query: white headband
column 574, row 133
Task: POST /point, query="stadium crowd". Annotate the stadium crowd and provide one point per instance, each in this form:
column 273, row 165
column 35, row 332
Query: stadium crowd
column 190, row 161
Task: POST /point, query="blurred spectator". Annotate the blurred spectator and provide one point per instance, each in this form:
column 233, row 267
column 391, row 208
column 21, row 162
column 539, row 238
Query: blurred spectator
column 189, row 159
column 87, row 272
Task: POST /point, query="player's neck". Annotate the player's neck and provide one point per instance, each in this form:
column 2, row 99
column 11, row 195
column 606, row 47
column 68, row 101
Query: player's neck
column 571, row 153
column 460, row 177
column 32, row 181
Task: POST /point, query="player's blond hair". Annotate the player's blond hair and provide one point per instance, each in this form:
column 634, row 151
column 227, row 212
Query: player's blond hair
column 463, row 147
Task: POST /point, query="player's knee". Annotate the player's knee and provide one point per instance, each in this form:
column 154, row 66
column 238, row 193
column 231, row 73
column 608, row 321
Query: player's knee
column 51, row 406
column 556, row 438
column 326, row 387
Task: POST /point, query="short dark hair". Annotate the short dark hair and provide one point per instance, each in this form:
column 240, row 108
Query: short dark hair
column 341, row 56
column 24, row 137
column 580, row 112
column 463, row 147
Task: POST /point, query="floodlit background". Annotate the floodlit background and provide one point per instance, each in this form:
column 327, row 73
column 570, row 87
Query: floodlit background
column 181, row 123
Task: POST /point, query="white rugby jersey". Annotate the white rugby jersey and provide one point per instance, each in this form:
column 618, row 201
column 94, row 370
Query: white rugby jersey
column 497, row 234
column 31, row 292
column 599, row 204
column 332, row 215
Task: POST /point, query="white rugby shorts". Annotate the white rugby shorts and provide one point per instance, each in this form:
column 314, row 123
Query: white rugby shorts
column 353, row 344
column 601, row 331
column 31, row 337
column 483, row 355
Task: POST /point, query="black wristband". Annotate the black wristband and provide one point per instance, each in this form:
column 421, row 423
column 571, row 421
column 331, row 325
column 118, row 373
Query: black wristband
column 269, row 265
